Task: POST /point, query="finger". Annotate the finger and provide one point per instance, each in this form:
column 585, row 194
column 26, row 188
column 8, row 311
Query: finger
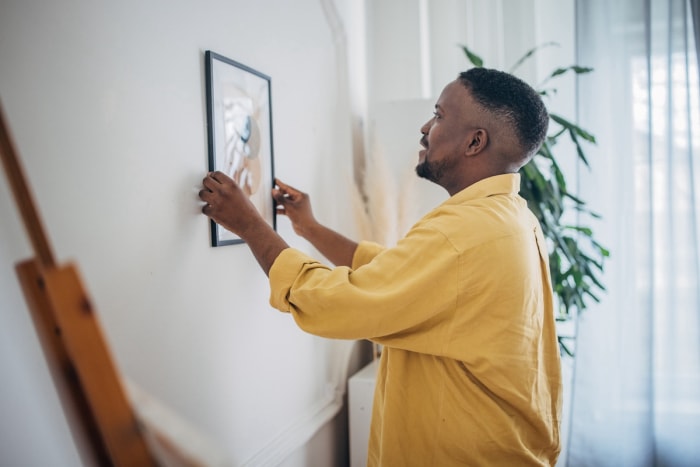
column 289, row 195
column 218, row 176
column 223, row 179
column 210, row 183
column 205, row 194
column 285, row 187
column 278, row 196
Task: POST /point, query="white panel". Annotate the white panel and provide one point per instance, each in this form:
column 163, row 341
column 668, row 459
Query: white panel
column 393, row 50
column 360, row 397
column 448, row 19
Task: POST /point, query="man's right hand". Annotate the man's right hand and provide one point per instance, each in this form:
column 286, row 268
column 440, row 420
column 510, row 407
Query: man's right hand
column 296, row 205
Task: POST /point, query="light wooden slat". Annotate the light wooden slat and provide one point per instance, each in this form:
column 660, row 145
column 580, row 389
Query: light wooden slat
column 82, row 424
column 96, row 370
column 23, row 196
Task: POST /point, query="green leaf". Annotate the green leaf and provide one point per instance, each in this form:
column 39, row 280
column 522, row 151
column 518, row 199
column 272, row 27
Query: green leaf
column 564, row 347
column 601, row 249
column 579, row 149
column 584, row 230
column 579, row 70
column 559, row 175
column 472, row 57
column 572, row 127
column 529, row 53
column 560, row 71
column 576, row 69
column 575, row 199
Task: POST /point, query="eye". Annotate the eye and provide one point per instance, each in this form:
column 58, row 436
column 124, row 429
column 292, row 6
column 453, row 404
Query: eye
column 436, row 115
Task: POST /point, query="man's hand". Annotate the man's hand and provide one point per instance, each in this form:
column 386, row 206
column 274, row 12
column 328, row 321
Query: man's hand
column 296, row 206
column 228, row 205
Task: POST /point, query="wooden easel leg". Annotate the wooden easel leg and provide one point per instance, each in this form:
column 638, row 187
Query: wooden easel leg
column 71, row 394
column 88, row 350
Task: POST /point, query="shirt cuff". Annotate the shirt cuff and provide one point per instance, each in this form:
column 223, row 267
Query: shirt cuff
column 284, row 271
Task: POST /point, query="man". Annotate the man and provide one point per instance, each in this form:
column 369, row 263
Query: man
column 470, row 371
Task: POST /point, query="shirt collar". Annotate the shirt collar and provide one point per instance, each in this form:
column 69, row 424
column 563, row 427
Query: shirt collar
column 496, row 185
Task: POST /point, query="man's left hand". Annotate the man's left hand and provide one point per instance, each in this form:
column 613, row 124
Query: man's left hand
column 227, row 204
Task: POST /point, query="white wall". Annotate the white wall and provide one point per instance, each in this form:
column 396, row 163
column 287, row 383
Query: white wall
column 106, row 103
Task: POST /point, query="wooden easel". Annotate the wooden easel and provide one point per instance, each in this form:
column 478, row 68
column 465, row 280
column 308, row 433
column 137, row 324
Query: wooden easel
column 102, row 421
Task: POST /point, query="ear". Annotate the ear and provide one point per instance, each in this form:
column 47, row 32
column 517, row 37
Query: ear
column 477, row 140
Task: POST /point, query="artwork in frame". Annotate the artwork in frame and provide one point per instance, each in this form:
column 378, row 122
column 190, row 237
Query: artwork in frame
column 239, row 124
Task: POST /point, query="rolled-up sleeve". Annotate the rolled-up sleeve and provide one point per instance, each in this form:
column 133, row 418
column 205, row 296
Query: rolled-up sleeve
column 373, row 300
column 283, row 273
column 290, row 263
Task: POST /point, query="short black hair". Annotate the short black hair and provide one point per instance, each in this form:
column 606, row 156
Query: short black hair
column 510, row 99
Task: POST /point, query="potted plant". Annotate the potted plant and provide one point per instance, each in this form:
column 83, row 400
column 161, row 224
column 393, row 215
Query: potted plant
column 575, row 257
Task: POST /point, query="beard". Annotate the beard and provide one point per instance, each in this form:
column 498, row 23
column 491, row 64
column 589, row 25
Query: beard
column 432, row 171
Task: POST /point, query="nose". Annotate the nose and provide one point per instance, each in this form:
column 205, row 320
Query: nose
column 426, row 127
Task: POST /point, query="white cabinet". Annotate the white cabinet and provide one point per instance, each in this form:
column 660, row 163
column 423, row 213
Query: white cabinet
column 360, row 397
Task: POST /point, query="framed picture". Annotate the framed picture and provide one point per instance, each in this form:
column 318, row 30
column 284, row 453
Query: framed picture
column 239, row 124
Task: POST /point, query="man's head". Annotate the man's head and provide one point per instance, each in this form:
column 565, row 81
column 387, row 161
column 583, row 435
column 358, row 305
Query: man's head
column 485, row 123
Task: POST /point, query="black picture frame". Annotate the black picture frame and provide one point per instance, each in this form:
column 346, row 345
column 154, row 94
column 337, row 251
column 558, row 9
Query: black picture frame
column 239, row 128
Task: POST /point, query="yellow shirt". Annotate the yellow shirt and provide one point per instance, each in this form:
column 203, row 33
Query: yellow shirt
column 470, row 370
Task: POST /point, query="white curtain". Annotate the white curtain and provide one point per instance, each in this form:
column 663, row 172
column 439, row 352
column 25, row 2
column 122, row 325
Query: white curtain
column 636, row 391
